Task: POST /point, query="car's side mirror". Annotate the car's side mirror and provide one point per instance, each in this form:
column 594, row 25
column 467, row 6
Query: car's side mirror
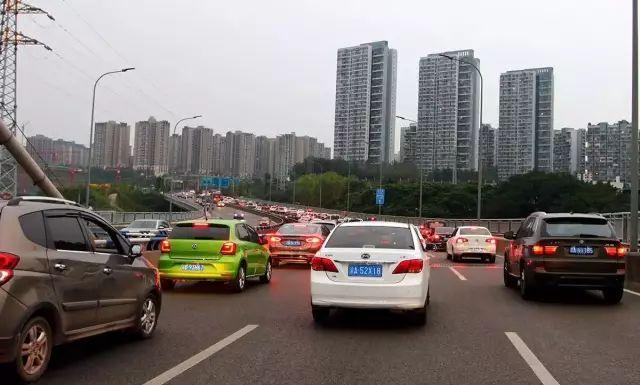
column 136, row 250
column 262, row 239
column 509, row 235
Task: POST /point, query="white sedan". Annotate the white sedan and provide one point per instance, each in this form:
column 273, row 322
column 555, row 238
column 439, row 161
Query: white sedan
column 371, row 265
column 471, row 241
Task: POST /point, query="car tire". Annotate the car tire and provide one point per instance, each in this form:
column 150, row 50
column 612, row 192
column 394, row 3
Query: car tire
column 275, row 263
column 418, row 317
column 455, row 258
column 492, row 259
column 167, row 284
column 527, row 291
column 39, row 329
column 448, row 255
column 613, row 295
column 147, row 318
column 509, row 280
column 320, row 314
column 483, row 259
column 240, row 281
column 266, row 277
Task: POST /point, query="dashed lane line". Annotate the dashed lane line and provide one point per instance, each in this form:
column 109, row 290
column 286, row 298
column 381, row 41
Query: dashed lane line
column 457, row 273
column 534, row 363
column 632, row 292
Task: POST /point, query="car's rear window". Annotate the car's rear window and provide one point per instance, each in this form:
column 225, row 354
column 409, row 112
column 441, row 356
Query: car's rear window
column 214, row 232
column 142, row 224
column 474, row 231
column 577, row 227
column 379, row 237
column 444, row 230
column 299, row 229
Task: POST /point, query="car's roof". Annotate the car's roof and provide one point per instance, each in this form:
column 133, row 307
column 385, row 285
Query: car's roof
column 570, row 215
column 373, row 223
column 472, row 227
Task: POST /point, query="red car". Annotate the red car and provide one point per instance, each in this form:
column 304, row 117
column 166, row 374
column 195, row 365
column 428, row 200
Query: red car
column 296, row 242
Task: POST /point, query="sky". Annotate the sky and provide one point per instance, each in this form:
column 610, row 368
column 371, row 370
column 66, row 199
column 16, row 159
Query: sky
column 268, row 67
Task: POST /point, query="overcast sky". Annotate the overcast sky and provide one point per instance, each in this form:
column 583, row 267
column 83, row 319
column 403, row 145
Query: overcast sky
column 268, row 66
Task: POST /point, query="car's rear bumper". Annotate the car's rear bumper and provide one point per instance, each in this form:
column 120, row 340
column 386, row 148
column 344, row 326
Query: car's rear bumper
column 12, row 312
column 587, row 281
column 213, row 271
column 410, row 293
column 292, row 254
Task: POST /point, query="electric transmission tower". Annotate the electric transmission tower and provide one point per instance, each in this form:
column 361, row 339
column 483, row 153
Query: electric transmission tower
column 10, row 39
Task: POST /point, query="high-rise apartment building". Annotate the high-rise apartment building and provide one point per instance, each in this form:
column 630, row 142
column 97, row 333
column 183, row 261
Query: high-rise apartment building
column 488, row 145
column 525, row 137
column 111, row 144
column 607, row 150
column 175, row 152
column 265, row 156
column 285, row 148
column 408, row 143
column 151, row 146
column 196, row 150
column 240, row 154
column 219, row 152
column 57, row 152
column 365, row 102
column 580, row 151
column 448, row 111
column 562, row 149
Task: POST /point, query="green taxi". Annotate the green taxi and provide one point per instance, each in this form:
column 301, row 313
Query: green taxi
column 214, row 250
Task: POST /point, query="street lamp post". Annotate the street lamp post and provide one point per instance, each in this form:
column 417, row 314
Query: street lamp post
column 419, row 170
column 479, row 212
column 93, row 108
column 634, row 133
column 175, row 127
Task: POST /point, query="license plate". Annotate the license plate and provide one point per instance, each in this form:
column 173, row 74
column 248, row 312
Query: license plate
column 193, row 267
column 364, row 270
column 292, row 243
column 581, row 250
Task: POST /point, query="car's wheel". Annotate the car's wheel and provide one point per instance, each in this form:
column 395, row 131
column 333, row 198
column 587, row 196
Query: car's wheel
column 527, row 291
column 266, row 277
column 456, row 258
column 320, row 314
column 167, row 284
column 241, row 280
column 275, row 263
column 147, row 317
column 483, row 259
column 418, row 317
column 613, row 295
column 509, row 280
column 34, row 349
column 448, row 255
column 492, row 259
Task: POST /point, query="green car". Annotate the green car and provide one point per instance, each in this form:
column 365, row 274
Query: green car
column 214, row 250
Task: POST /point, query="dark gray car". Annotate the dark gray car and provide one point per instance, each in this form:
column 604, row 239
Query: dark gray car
column 66, row 274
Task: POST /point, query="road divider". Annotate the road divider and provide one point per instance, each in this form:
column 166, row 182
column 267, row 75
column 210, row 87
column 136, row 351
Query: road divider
column 534, row 363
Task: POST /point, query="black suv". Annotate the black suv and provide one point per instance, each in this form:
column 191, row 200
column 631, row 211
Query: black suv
column 66, row 274
column 565, row 250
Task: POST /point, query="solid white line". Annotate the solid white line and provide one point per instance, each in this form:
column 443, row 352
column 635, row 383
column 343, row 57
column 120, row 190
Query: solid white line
column 456, row 272
column 203, row 355
column 534, row 363
column 632, row 292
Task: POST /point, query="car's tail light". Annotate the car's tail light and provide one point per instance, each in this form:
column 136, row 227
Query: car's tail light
column 200, row 226
column 275, row 239
column 462, row 240
column 491, row 240
column 323, row 264
column 314, row 240
column 617, row 252
column 436, row 237
column 165, row 246
column 228, row 248
column 409, row 266
column 7, row 263
column 544, row 249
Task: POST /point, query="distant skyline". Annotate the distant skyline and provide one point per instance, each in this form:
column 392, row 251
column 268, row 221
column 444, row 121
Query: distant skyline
column 269, row 67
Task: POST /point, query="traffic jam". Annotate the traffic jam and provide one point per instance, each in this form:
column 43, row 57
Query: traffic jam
column 339, row 270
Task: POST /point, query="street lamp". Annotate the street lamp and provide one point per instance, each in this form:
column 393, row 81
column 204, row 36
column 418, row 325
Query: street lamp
column 634, row 132
column 479, row 213
column 93, row 107
column 175, row 127
column 419, row 169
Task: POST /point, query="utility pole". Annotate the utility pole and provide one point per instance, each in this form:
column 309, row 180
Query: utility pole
column 9, row 42
column 633, row 225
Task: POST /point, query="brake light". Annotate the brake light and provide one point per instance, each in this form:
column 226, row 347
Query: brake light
column 275, row 239
column 314, row 240
column 228, row 248
column 409, row 266
column 323, row 264
column 165, row 246
column 436, row 237
column 544, row 249
column 462, row 240
column 200, row 226
column 7, row 263
column 491, row 240
column 618, row 252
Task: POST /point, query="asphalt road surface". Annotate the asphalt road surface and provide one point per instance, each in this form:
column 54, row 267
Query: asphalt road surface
column 478, row 332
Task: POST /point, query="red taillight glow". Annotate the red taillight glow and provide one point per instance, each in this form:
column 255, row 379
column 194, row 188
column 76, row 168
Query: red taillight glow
column 228, row 248
column 462, row 240
column 7, row 263
column 491, row 240
column 275, row 239
column 544, row 249
column 165, row 246
column 200, row 226
column 618, row 252
column 314, row 240
column 409, row 266
column 436, row 237
column 323, row 264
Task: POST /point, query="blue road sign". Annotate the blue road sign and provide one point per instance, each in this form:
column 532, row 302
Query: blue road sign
column 380, row 196
column 215, row 182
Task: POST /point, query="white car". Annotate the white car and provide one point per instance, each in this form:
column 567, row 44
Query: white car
column 371, row 265
column 471, row 241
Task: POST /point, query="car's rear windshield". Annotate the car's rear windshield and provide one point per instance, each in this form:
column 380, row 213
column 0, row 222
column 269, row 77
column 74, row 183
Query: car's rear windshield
column 474, row 231
column 300, row 229
column 214, row 232
column 577, row 227
column 142, row 224
column 444, row 230
column 379, row 237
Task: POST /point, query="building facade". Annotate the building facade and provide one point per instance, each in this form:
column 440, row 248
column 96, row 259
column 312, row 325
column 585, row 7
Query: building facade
column 488, row 145
column 57, row 152
column 111, row 144
column 408, row 143
column 525, row 137
column 448, row 111
column 607, row 152
column 365, row 107
column 151, row 146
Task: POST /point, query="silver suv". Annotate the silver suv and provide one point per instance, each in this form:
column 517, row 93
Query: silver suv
column 66, row 274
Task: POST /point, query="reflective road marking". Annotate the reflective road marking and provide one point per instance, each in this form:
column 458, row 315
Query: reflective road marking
column 456, row 272
column 632, row 292
column 534, row 363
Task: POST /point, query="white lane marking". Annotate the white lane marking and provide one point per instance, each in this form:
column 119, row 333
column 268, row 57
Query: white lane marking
column 534, row 363
column 456, row 272
column 632, row 292
column 203, row 355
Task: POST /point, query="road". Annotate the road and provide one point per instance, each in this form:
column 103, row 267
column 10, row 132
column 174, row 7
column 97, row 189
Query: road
column 576, row 338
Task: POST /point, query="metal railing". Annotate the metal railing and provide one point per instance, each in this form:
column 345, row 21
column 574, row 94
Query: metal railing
column 123, row 218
